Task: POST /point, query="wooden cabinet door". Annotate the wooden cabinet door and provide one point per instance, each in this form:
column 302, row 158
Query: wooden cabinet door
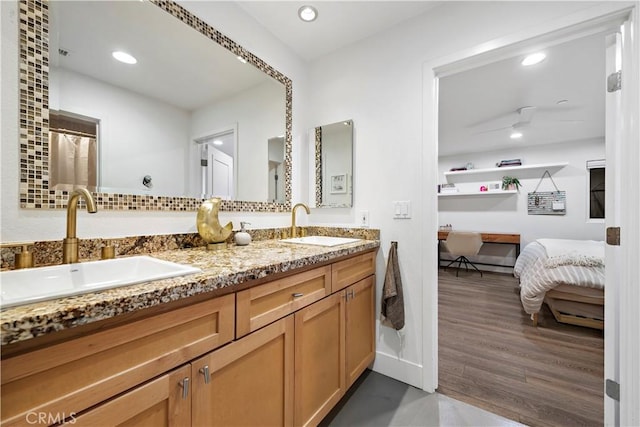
column 360, row 334
column 248, row 382
column 320, row 359
column 165, row 401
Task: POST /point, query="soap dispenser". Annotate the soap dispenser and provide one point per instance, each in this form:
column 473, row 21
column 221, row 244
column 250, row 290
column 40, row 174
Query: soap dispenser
column 242, row 237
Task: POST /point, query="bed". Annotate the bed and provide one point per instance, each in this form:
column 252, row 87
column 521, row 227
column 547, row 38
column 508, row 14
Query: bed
column 567, row 275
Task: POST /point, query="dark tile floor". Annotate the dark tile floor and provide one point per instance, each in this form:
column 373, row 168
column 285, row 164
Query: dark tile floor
column 377, row 400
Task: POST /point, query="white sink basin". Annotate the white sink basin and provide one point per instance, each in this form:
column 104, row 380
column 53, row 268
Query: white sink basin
column 19, row 287
column 320, row 240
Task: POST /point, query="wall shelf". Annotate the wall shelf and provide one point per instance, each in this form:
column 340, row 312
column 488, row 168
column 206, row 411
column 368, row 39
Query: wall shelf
column 510, row 169
column 479, row 193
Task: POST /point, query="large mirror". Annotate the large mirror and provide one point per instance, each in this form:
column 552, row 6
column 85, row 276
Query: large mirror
column 332, row 176
column 196, row 115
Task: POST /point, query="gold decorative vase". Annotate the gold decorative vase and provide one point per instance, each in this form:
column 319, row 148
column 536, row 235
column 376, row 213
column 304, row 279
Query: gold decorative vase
column 209, row 226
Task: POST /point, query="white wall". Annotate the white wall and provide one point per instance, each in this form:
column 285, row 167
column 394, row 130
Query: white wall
column 138, row 135
column 259, row 115
column 379, row 83
column 508, row 213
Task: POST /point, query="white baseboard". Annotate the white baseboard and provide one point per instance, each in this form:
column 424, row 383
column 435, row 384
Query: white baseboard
column 399, row 369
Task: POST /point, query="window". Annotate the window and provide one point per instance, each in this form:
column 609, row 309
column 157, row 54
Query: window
column 595, row 169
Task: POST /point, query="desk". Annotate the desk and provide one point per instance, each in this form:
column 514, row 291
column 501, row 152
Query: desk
column 500, row 238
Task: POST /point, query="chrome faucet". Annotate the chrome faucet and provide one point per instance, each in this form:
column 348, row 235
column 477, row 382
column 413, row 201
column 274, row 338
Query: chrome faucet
column 70, row 243
column 294, row 229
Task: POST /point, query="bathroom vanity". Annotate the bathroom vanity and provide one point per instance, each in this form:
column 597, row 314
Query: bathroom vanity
column 267, row 334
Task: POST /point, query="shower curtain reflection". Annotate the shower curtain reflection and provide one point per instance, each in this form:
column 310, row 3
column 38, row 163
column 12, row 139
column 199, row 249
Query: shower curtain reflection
column 72, row 161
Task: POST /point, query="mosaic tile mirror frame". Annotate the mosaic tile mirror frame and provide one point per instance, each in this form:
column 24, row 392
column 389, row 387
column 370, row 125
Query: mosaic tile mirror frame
column 34, row 120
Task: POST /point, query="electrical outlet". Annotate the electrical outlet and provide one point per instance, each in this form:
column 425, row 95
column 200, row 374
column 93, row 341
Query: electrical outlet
column 364, row 218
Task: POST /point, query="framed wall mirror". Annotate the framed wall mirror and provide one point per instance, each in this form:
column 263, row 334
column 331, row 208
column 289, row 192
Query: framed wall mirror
column 196, row 116
column 332, row 176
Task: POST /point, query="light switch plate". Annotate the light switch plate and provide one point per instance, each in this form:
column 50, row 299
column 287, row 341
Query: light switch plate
column 402, row 209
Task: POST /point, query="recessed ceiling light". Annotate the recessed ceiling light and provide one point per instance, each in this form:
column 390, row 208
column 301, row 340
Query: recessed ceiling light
column 124, row 57
column 533, row 59
column 516, row 135
column 217, row 142
column 562, row 101
column 308, row 13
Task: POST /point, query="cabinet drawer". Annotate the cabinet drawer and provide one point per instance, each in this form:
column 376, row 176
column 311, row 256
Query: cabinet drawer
column 263, row 304
column 352, row 270
column 74, row 375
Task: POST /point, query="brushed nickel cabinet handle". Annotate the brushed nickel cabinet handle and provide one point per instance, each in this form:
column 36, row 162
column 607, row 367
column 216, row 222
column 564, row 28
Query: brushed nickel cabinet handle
column 297, row 295
column 185, row 387
column 205, row 371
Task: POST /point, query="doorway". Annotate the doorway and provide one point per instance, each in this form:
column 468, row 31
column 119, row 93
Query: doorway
column 436, row 70
column 218, row 153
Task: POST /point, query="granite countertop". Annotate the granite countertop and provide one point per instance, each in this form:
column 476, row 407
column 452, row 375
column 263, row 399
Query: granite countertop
column 220, row 269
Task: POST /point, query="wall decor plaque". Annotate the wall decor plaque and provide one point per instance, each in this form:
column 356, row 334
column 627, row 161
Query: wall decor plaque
column 547, row 202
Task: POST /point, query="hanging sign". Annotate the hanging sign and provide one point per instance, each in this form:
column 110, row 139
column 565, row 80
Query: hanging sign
column 547, row 202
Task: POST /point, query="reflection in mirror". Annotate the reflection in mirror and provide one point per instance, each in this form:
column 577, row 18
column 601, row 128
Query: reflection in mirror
column 73, row 151
column 334, row 165
column 217, row 164
column 147, row 113
column 157, row 122
column 276, row 169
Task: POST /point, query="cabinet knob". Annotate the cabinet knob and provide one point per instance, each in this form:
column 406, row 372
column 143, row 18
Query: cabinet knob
column 297, row 295
column 185, row 387
column 205, row 371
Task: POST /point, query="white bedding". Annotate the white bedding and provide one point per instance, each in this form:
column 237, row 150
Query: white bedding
column 572, row 262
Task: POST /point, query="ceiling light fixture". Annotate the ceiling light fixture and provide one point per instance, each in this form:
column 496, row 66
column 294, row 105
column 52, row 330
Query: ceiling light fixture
column 217, row 142
column 241, row 59
column 308, row 13
column 534, row 58
column 516, row 135
column 124, row 57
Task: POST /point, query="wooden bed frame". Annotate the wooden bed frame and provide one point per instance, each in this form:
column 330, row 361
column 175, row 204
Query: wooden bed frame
column 572, row 318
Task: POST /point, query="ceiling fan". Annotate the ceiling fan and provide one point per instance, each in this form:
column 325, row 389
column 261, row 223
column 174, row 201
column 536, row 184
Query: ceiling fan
column 525, row 116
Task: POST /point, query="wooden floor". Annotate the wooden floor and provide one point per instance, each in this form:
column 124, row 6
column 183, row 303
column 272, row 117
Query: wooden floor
column 492, row 357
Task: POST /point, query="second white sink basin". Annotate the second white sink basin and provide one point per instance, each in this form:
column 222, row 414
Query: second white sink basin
column 321, row 240
column 19, row 287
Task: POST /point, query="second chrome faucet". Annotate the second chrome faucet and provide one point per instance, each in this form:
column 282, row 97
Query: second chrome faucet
column 70, row 243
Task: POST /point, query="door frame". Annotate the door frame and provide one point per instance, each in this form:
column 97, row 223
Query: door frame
column 571, row 26
column 201, row 139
